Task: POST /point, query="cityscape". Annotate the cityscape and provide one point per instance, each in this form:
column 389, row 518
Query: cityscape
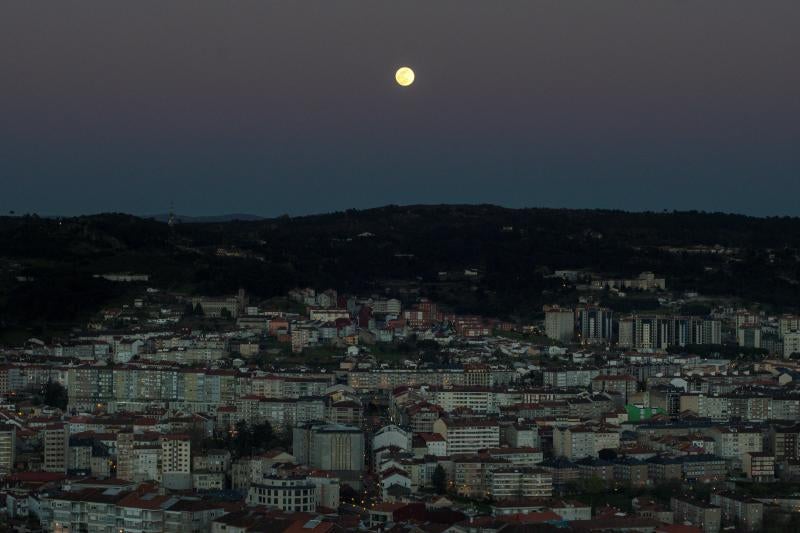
column 348, row 266
column 326, row 410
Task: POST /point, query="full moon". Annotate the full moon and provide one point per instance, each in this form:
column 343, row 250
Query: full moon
column 404, row 76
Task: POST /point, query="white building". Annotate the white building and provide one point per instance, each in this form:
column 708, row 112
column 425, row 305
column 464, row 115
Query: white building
column 291, row 493
column 392, row 436
column 732, row 443
column 791, row 343
column 468, row 435
column 519, row 482
column 577, row 442
column 559, row 324
column 176, row 461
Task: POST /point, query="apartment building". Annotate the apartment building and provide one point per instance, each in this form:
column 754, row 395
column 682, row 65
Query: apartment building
column 788, row 324
column 732, row 443
column 559, row 323
column 280, row 413
column 791, row 343
column 521, row 435
column 577, row 442
column 519, row 482
column 476, row 399
column 289, row 493
column 717, row 408
column 55, row 438
column 8, row 443
column 759, row 466
column 594, row 324
column 659, row 332
column 332, row 447
column 623, row 384
column 471, row 474
column 517, row 456
column 741, row 512
column 703, row 468
column 631, row 472
column 784, row 441
column 468, row 435
column 703, row 515
column 388, row 379
column 176, row 461
column 85, row 510
column 566, row 377
column 664, row 469
column 749, row 336
column 421, row 416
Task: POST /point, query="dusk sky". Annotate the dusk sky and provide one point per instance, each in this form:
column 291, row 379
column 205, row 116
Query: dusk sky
column 270, row 107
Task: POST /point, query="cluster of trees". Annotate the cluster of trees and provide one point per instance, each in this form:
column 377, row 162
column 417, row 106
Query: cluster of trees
column 439, row 480
column 52, row 394
column 248, row 439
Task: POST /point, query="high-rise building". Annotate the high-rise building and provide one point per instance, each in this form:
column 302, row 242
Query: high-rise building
column 748, row 336
column 658, row 332
column 625, row 339
column 791, row 343
column 8, row 442
column 56, row 443
column 332, row 447
column 711, row 332
column 594, row 324
column 559, row 323
column 787, row 324
column 176, row 461
column 125, row 458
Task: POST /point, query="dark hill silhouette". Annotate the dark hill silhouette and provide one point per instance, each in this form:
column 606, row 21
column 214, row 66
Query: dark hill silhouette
column 401, row 247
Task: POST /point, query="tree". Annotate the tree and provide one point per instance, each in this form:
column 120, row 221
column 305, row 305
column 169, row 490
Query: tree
column 593, row 487
column 607, row 454
column 439, row 480
column 55, row 395
column 262, row 434
column 251, row 438
column 225, row 314
column 198, row 309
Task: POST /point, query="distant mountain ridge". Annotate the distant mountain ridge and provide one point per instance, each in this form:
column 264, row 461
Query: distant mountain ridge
column 164, row 217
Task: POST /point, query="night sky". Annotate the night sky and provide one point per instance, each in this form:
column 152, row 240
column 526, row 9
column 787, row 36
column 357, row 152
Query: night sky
column 270, row 107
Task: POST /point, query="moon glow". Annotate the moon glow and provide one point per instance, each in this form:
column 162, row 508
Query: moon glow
column 404, row 76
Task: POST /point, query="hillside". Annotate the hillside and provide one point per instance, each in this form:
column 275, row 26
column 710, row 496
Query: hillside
column 402, row 248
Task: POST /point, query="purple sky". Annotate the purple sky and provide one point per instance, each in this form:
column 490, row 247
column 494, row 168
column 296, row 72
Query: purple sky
column 273, row 107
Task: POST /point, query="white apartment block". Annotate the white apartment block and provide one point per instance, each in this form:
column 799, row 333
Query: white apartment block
column 476, row 399
column 577, row 442
column 516, row 483
column 569, row 378
column 292, row 494
column 733, row 443
column 791, row 343
column 8, row 443
column 559, row 324
column 176, row 461
column 56, row 444
column 788, row 324
column 467, row 436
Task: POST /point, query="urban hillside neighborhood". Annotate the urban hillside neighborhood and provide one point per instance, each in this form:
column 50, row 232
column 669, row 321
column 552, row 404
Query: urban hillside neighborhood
column 478, row 371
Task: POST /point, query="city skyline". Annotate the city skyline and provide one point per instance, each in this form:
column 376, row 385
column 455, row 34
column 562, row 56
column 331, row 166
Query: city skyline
column 407, row 267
